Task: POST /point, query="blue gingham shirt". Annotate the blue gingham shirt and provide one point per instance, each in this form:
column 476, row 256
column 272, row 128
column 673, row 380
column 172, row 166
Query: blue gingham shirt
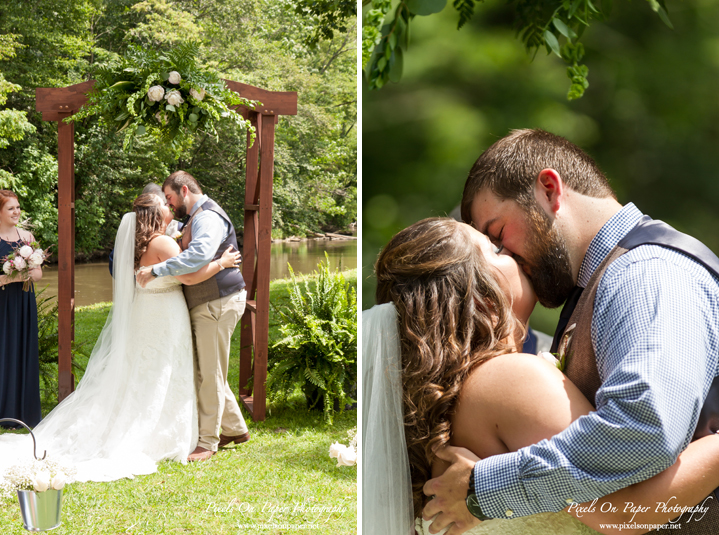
column 209, row 230
column 655, row 332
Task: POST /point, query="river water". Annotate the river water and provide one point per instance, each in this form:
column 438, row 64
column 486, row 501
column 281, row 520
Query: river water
column 93, row 283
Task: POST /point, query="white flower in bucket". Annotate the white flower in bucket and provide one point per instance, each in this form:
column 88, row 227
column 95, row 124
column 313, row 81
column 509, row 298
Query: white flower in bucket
column 38, row 484
column 58, row 482
column 41, row 482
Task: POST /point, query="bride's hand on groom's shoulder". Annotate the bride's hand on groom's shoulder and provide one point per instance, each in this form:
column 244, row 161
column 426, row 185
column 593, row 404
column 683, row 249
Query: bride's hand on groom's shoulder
column 449, row 493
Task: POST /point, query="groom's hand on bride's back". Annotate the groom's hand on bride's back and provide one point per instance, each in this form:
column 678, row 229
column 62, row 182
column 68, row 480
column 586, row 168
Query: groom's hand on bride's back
column 449, row 493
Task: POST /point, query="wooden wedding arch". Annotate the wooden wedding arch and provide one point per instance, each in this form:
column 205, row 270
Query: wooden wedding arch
column 57, row 104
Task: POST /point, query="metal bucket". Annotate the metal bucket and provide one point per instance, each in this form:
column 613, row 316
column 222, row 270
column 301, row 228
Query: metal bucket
column 40, row 510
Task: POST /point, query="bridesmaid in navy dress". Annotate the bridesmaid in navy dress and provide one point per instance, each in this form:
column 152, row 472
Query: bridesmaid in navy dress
column 19, row 366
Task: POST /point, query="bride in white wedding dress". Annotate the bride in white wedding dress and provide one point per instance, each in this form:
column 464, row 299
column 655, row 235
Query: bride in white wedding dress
column 441, row 366
column 136, row 404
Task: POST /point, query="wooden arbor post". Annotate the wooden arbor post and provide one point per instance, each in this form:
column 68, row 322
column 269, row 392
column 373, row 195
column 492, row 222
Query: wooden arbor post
column 58, row 103
column 255, row 324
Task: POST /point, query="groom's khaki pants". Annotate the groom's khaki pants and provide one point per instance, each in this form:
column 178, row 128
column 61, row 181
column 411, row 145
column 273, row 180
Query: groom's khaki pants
column 212, row 326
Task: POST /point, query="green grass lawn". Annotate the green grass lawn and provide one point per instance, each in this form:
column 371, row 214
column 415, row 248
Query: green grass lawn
column 281, row 481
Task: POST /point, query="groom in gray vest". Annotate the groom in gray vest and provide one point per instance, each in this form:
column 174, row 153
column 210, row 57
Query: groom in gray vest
column 639, row 332
column 215, row 305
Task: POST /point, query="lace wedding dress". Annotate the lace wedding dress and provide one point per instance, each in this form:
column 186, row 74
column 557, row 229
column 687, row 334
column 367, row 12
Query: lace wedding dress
column 135, row 404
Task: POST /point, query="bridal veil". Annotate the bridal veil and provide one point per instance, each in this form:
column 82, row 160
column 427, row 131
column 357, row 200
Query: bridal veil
column 70, row 421
column 386, row 484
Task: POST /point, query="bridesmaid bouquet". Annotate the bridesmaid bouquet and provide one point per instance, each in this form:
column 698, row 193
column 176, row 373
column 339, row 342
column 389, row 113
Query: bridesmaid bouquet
column 24, row 257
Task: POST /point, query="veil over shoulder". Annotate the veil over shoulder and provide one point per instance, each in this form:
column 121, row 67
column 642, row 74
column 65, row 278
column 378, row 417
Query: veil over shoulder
column 135, row 404
column 386, row 483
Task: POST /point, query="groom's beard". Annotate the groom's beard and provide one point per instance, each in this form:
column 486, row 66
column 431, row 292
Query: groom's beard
column 180, row 212
column 551, row 270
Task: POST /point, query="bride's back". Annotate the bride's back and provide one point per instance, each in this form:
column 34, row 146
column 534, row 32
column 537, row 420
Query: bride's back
column 512, row 401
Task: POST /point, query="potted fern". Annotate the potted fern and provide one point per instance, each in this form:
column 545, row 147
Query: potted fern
column 318, row 350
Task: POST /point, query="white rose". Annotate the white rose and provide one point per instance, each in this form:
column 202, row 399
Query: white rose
column 26, row 251
column 7, row 267
column 42, row 481
column 35, row 259
column 347, row 457
column 155, row 93
column 58, row 482
column 335, row 450
column 197, row 95
column 20, row 263
column 175, row 78
column 40, row 251
column 174, row 98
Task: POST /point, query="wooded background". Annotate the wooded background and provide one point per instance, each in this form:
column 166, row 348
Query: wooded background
column 272, row 44
column 650, row 116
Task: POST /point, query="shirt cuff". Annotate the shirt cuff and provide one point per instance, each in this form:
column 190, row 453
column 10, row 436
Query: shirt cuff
column 499, row 491
column 160, row 270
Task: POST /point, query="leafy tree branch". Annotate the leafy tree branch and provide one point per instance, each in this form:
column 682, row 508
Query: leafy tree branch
column 554, row 25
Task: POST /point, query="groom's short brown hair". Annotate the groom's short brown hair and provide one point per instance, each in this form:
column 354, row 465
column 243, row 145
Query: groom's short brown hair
column 182, row 178
column 511, row 165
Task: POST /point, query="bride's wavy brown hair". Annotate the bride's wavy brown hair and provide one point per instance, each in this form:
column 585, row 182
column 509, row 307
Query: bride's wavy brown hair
column 453, row 315
column 149, row 223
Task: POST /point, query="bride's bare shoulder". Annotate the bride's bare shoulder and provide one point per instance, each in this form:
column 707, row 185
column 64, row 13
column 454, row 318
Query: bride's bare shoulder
column 162, row 242
column 160, row 249
column 523, row 399
column 514, row 368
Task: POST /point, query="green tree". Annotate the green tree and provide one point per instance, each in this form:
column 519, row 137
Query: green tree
column 259, row 42
column 13, row 123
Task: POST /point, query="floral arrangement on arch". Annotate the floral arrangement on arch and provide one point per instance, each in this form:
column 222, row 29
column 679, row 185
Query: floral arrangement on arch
column 163, row 93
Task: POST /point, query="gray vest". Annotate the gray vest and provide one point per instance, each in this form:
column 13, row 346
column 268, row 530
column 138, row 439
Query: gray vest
column 227, row 281
column 581, row 366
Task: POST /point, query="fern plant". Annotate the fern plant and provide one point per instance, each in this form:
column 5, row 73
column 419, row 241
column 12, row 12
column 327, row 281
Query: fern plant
column 47, row 326
column 47, row 345
column 318, row 351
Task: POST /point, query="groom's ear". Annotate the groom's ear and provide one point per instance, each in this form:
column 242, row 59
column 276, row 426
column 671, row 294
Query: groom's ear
column 549, row 191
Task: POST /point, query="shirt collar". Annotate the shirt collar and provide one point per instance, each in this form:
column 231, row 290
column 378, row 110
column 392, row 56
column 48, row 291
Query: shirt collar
column 607, row 239
column 202, row 200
